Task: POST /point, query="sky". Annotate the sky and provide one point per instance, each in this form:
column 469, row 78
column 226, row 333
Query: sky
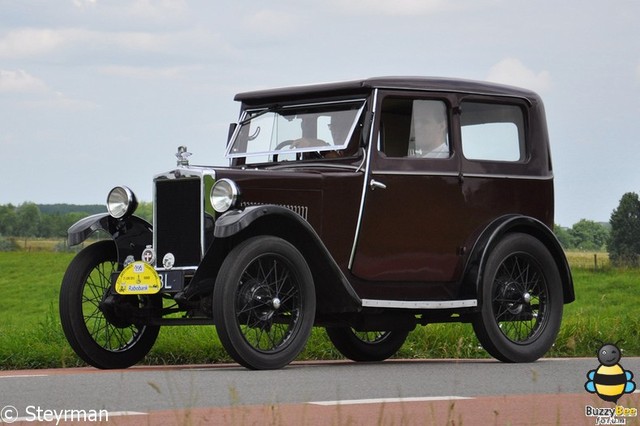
column 98, row 93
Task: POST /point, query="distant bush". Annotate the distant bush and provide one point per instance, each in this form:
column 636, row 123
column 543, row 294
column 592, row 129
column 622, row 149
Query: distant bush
column 9, row 244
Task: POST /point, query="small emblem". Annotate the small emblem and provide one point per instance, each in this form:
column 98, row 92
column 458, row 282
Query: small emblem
column 183, row 156
column 129, row 259
column 168, row 260
column 148, row 255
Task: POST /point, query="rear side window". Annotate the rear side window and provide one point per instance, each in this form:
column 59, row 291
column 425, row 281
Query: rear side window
column 492, row 132
column 414, row 128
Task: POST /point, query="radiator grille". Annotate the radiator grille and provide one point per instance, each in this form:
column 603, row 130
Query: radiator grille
column 178, row 220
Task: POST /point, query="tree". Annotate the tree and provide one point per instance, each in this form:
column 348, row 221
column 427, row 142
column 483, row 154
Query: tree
column 564, row 237
column 28, row 220
column 624, row 245
column 8, row 220
column 589, row 235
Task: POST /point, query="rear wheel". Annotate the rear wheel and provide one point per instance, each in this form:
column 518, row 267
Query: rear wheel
column 97, row 329
column 264, row 303
column 366, row 346
column 521, row 300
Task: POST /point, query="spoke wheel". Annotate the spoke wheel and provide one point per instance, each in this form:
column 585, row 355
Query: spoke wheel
column 94, row 320
column 264, row 303
column 521, row 300
column 366, row 346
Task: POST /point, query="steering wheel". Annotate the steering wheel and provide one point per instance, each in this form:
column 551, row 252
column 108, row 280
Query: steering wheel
column 299, row 143
column 288, row 142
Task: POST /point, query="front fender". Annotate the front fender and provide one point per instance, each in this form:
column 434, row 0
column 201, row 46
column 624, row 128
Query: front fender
column 131, row 234
column 233, row 222
column 333, row 289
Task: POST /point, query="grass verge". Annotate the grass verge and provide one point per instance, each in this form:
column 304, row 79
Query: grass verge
column 31, row 336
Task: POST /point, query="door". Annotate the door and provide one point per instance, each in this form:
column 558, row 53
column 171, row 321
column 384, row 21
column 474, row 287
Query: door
column 412, row 226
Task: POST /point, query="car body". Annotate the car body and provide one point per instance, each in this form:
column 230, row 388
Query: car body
column 366, row 207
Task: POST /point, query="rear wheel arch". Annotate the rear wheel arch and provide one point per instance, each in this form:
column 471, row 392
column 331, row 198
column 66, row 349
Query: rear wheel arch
column 496, row 232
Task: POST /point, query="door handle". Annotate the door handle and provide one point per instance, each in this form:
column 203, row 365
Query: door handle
column 375, row 184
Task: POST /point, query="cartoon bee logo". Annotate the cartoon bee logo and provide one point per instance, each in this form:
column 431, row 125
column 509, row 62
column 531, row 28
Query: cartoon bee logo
column 609, row 381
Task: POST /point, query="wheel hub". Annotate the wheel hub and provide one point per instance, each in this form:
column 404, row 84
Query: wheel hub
column 116, row 310
column 517, row 302
column 261, row 304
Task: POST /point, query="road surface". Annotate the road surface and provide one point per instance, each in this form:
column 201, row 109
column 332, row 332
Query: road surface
column 398, row 392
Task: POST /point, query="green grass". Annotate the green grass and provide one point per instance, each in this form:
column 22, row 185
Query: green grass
column 31, row 337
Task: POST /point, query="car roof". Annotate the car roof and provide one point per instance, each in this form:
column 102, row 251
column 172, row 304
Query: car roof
column 364, row 86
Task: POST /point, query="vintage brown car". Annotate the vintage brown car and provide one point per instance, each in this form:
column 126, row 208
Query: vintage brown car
column 366, row 207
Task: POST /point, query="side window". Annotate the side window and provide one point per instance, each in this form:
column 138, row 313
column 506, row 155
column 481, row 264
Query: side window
column 414, row 128
column 492, row 132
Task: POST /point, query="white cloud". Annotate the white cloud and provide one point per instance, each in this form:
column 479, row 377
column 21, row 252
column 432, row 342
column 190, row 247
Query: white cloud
column 19, row 81
column 32, row 42
column 148, row 72
column 59, row 101
column 396, row 7
column 40, row 95
column 36, row 43
column 157, row 10
column 272, row 23
column 512, row 71
column 407, row 7
column 82, row 3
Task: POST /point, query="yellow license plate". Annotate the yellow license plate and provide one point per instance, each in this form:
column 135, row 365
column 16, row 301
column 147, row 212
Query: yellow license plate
column 138, row 278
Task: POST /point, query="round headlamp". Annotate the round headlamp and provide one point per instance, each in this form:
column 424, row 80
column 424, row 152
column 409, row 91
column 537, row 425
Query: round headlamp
column 121, row 202
column 224, row 195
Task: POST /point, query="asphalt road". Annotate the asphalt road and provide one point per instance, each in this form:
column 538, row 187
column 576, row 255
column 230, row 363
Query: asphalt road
column 197, row 391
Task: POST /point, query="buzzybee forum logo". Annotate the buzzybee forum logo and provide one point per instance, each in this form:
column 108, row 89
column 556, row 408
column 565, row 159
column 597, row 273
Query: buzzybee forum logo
column 610, row 381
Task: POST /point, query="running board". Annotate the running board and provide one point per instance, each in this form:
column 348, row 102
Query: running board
column 419, row 304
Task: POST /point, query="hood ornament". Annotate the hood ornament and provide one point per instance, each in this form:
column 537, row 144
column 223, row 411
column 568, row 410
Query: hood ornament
column 183, row 156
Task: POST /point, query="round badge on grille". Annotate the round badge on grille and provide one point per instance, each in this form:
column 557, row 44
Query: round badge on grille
column 148, row 255
column 168, row 260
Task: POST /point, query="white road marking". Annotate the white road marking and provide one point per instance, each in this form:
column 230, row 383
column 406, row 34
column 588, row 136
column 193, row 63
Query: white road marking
column 126, row 413
column 23, row 375
column 389, row 400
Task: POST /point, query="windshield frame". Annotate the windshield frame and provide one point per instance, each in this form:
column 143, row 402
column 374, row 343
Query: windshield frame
column 280, row 111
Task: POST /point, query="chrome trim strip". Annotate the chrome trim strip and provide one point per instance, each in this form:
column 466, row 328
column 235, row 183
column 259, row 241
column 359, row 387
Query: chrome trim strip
column 419, row 304
column 406, row 173
column 505, row 176
column 453, row 174
column 365, row 179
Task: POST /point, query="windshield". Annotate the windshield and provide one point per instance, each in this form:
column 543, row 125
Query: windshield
column 285, row 133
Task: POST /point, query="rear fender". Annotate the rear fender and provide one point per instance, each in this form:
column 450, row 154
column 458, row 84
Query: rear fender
column 494, row 233
column 131, row 235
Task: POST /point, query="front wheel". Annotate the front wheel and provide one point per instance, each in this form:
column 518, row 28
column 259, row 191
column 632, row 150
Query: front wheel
column 264, row 303
column 103, row 338
column 521, row 300
column 366, row 346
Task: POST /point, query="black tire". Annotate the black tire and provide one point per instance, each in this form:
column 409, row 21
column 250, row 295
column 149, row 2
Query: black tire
column 100, row 342
column 521, row 300
column 264, row 303
column 366, row 346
